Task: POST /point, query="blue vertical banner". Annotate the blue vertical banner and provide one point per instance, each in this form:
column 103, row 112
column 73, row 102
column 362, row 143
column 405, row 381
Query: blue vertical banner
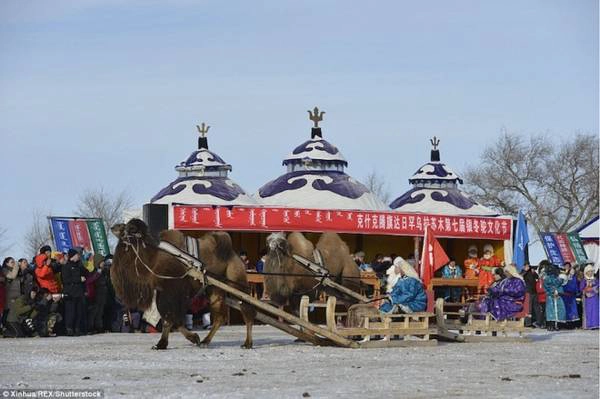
column 551, row 248
column 521, row 241
column 61, row 234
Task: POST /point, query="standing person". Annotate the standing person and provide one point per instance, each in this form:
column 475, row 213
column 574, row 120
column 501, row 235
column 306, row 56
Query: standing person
column 487, row 264
column 261, row 262
column 73, row 281
column 555, row 307
column 3, row 304
column 45, row 274
column 97, row 292
column 541, row 294
column 570, row 294
column 26, row 277
column 12, row 284
column 450, row 271
column 531, row 278
column 589, row 288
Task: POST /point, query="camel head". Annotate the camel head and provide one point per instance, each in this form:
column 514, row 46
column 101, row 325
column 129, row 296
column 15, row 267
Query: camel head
column 278, row 243
column 134, row 229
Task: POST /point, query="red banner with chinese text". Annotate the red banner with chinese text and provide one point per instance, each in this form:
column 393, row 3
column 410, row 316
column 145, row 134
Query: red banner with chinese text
column 564, row 247
column 187, row 217
column 80, row 235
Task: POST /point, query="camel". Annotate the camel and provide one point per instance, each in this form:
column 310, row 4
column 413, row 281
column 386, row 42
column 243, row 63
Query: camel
column 138, row 263
column 289, row 289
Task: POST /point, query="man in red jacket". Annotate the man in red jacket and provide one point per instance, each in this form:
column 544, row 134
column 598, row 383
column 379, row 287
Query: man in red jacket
column 44, row 274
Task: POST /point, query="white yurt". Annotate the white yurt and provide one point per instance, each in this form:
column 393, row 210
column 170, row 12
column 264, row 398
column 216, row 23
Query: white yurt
column 315, row 178
column 203, row 180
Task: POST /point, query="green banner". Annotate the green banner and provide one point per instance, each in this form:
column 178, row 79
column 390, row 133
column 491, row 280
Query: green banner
column 577, row 247
column 98, row 236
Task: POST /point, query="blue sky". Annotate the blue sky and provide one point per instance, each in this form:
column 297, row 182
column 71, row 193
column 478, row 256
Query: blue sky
column 107, row 93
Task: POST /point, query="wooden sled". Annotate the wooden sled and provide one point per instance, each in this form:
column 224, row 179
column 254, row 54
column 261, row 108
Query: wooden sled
column 481, row 327
column 381, row 330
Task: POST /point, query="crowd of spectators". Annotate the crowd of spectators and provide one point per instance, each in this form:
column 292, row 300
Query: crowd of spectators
column 61, row 294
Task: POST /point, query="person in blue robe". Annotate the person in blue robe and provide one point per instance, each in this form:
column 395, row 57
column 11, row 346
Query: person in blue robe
column 452, row 270
column 570, row 293
column 505, row 296
column 553, row 286
column 408, row 294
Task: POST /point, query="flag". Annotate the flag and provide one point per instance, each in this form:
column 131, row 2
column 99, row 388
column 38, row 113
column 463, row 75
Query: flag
column 433, row 256
column 521, row 241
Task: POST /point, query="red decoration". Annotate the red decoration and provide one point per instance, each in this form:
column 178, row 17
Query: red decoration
column 433, row 256
column 187, row 217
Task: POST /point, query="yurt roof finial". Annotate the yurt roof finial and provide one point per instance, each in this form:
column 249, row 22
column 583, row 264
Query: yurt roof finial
column 202, row 140
column 316, row 117
column 435, row 153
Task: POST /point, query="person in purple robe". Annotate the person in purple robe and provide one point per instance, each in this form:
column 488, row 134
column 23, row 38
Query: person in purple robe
column 570, row 293
column 589, row 289
column 505, row 296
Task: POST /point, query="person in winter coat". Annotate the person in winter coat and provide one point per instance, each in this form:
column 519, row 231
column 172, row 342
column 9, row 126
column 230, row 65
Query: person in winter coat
column 555, row 307
column 97, row 292
column 20, row 318
column 589, row 287
column 408, row 294
column 531, row 278
column 506, row 295
column 45, row 274
column 73, row 288
column 452, row 270
column 570, row 293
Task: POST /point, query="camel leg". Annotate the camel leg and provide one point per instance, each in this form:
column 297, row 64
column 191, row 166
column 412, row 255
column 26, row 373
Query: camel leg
column 217, row 313
column 248, row 314
column 190, row 336
column 163, row 342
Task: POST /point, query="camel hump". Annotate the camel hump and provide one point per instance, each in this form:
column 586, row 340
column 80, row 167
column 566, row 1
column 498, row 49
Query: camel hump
column 223, row 246
column 300, row 245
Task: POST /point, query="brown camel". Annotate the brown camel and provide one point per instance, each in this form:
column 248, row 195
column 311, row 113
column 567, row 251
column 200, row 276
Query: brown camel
column 289, row 289
column 138, row 263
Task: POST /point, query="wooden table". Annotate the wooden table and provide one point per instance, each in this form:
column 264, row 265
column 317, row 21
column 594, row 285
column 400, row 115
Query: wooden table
column 367, row 278
column 471, row 285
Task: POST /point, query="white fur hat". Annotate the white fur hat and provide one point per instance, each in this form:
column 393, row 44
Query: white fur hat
column 488, row 248
column 406, row 268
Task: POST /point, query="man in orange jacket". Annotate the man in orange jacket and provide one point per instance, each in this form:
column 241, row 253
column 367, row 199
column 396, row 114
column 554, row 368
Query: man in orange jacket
column 44, row 273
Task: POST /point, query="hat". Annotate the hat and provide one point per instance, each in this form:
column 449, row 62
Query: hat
column 406, row 268
column 72, row 252
column 360, row 254
column 488, row 248
column 588, row 269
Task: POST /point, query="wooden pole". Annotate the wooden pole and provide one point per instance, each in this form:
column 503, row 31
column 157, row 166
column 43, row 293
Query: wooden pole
column 417, row 254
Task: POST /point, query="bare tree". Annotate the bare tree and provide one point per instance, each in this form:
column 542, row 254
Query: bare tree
column 38, row 235
column 99, row 203
column 377, row 185
column 556, row 184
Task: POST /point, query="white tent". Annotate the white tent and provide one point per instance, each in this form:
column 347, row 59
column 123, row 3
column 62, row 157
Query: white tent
column 590, row 236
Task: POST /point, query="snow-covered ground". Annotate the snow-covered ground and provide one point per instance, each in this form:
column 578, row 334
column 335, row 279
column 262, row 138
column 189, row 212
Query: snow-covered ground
column 554, row 365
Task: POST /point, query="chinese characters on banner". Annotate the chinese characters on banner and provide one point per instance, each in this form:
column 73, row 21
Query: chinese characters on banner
column 79, row 232
column 577, row 247
column 562, row 248
column 364, row 222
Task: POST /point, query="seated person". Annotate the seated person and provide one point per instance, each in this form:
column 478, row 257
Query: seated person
column 452, row 270
column 408, row 294
column 505, row 296
column 19, row 322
